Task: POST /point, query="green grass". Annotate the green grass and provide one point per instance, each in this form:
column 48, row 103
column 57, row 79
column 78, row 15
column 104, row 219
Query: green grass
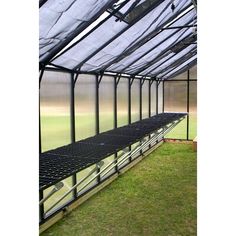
column 156, row 197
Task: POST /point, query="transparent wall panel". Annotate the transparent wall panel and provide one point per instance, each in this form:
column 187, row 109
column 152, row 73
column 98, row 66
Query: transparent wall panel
column 135, row 97
column 175, row 100
column 55, row 109
column 106, row 103
column 56, row 196
column 160, row 97
column 122, row 102
column 85, row 100
column 153, row 98
column 111, row 168
column 82, row 174
column 145, row 99
column 192, row 109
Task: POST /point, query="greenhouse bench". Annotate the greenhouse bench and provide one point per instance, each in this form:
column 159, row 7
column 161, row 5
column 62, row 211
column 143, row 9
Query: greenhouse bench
column 60, row 163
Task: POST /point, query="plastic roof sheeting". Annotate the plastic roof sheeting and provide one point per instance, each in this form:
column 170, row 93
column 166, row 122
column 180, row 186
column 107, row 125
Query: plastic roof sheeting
column 97, row 40
column 59, row 20
column 147, row 48
column 146, row 37
column 186, row 65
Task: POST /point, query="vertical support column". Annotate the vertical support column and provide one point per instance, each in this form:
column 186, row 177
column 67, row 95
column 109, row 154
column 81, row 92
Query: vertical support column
column 41, row 207
column 149, row 103
column 140, row 104
column 188, row 77
column 149, row 98
column 129, row 107
column 40, row 145
column 157, row 94
column 163, row 96
column 129, row 100
column 40, row 79
column 115, row 101
column 97, row 117
column 140, row 99
column 97, row 105
column 115, row 112
column 72, row 123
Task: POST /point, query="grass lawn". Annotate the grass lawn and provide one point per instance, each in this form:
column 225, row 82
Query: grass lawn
column 156, row 197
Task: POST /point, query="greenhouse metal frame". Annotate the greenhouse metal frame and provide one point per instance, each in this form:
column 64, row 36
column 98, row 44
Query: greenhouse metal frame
column 152, row 43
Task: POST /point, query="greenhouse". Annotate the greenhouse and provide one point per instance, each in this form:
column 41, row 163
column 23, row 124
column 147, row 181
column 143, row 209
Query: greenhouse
column 117, row 78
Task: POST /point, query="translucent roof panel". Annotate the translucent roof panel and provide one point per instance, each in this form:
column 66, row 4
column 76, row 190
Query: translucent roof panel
column 175, row 63
column 135, row 35
column 160, row 37
column 158, row 53
column 60, row 21
column 172, row 58
column 180, row 68
column 115, row 37
column 152, row 38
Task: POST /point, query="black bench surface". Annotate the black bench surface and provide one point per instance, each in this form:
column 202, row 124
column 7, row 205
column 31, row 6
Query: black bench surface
column 60, row 163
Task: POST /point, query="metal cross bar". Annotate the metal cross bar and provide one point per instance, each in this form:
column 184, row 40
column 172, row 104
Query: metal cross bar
column 179, row 27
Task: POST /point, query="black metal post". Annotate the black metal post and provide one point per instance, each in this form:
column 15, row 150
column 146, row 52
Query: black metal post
column 129, row 107
column 40, row 145
column 129, row 100
column 188, row 75
column 115, row 112
column 140, row 104
column 97, row 117
column 72, row 124
column 97, row 105
column 149, row 103
column 149, row 98
column 41, row 207
column 140, row 99
column 157, row 94
column 163, row 96
column 40, row 79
